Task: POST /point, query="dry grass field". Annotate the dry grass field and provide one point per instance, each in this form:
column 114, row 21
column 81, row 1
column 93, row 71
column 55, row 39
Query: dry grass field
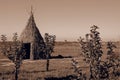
column 36, row 70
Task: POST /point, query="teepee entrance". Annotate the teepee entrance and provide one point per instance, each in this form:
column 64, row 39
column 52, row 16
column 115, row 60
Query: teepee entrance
column 27, row 50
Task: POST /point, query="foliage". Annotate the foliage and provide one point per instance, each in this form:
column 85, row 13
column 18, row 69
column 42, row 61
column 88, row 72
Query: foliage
column 50, row 43
column 78, row 70
column 92, row 51
column 15, row 52
column 112, row 63
column 4, row 38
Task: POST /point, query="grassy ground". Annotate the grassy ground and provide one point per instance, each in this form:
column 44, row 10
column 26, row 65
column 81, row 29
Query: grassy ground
column 33, row 70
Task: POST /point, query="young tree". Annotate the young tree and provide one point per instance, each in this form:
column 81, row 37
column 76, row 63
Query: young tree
column 92, row 52
column 4, row 46
column 15, row 53
column 50, row 43
column 78, row 70
column 113, row 62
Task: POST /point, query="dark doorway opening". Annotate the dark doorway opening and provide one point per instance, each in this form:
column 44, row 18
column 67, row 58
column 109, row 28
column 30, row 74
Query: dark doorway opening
column 27, row 50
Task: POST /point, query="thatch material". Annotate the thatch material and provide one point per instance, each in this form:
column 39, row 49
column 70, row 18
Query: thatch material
column 32, row 35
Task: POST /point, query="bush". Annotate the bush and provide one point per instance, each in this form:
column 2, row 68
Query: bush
column 92, row 52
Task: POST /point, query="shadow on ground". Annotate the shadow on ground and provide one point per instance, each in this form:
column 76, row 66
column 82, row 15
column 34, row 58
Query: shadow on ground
column 60, row 57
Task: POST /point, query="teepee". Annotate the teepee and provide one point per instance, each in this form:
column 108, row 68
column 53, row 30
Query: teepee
column 32, row 40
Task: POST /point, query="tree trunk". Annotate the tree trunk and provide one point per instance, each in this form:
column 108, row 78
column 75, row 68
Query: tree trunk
column 16, row 74
column 91, row 75
column 47, row 65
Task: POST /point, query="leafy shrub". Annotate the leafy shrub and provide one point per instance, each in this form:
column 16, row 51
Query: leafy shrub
column 15, row 52
column 92, row 52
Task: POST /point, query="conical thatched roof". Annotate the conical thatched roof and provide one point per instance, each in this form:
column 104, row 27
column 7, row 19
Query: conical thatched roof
column 32, row 35
column 31, row 32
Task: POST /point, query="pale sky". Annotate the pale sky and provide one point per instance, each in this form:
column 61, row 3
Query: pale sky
column 67, row 19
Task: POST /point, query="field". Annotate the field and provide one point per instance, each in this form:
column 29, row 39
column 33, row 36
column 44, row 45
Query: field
column 58, row 68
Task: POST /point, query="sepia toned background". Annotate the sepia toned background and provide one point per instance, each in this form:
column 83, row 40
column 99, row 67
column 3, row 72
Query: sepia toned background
column 67, row 19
